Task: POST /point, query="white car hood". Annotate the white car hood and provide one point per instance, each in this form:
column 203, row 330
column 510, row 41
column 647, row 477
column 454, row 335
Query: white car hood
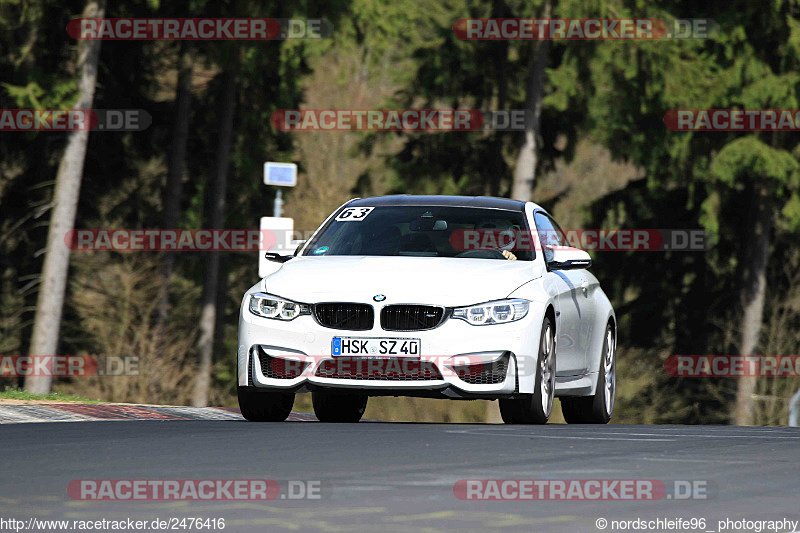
column 426, row 280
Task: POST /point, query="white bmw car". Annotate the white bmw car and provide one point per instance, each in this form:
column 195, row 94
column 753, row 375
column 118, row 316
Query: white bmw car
column 435, row 296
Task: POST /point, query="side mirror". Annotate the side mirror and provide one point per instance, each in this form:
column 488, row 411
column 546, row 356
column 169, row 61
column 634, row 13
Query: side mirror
column 276, row 257
column 568, row 258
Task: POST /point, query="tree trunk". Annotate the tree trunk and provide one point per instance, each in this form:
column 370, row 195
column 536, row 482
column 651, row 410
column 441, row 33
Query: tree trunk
column 177, row 164
column 499, row 53
column 205, row 344
column 222, row 299
column 528, row 158
column 754, row 286
column 50, row 302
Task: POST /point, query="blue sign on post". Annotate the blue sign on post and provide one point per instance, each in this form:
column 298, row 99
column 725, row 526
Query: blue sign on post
column 280, row 174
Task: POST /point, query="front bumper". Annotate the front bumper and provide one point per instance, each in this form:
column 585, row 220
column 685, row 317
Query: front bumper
column 459, row 360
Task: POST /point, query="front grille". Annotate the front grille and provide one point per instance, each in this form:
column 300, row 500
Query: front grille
column 279, row 368
column 483, row 373
column 374, row 368
column 351, row 316
column 410, row 317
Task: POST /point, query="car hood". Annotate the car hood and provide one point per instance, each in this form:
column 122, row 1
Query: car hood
column 427, row 280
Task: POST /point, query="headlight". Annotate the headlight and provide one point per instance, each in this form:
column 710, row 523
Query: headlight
column 498, row 312
column 269, row 306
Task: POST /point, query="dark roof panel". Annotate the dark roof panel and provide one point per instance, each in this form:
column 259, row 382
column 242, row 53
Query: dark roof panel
column 440, row 200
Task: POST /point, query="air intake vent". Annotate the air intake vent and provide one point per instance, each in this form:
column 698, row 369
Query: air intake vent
column 280, row 368
column 350, row 316
column 411, row 317
column 484, row 374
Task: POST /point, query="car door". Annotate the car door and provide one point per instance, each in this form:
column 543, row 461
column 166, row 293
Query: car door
column 573, row 303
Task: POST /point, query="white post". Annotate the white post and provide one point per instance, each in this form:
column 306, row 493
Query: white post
column 277, row 207
column 794, row 410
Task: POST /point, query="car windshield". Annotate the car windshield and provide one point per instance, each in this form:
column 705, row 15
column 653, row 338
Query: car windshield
column 424, row 231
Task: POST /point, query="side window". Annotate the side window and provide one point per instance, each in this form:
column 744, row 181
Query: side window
column 562, row 237
column 550, row 233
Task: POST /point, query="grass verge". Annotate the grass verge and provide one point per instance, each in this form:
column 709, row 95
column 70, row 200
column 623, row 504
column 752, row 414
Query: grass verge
column 25, row 396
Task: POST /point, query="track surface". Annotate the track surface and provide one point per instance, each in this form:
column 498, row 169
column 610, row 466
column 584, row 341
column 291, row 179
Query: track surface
column 399, row 477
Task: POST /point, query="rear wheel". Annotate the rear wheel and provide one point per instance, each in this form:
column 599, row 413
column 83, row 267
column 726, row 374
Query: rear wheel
column 536, row 408
column 338, row 407
column 596, row 409
column 258, row 406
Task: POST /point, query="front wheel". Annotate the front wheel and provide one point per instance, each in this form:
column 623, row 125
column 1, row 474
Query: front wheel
column 258, row 406
column 338, row 407
column 596, row 409
column 536, row 408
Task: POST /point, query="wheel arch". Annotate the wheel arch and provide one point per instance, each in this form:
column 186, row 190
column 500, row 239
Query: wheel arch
column 551, row 313
column 613, row 321
column 604, row 317
column 528, row 361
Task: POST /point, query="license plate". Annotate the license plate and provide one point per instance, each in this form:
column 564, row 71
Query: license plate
column 376, row 347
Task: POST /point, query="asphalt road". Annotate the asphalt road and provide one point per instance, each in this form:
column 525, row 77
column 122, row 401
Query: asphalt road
column 399, row 477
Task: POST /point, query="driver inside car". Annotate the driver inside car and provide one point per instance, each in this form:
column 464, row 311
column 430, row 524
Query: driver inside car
column 506, row 236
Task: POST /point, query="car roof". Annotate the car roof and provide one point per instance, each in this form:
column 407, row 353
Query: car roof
column 439, row 200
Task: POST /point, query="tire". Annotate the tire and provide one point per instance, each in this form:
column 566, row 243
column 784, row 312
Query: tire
column 536, row 408
column 597, row 409
column 258, row 406
column 338, row 407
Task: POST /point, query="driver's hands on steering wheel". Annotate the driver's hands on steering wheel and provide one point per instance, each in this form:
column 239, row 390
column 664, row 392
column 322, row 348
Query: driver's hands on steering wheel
column 508, row 255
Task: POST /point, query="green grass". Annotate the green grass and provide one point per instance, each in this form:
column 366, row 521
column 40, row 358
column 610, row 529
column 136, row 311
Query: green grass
column 21, row 394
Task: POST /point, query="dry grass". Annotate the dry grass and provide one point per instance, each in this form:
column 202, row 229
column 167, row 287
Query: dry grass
column 780, row 336
column 114, row 299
